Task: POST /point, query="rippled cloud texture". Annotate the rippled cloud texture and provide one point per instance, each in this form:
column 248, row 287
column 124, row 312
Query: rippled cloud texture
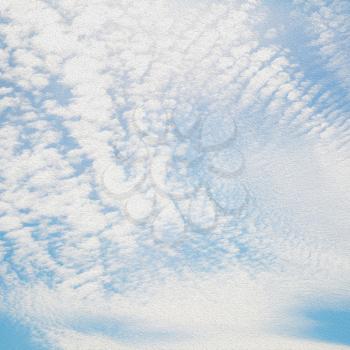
column 174, row 174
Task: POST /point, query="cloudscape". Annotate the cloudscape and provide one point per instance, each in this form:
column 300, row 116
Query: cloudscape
column 174, row 174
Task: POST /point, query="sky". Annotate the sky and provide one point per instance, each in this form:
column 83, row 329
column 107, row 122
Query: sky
column 174, row 174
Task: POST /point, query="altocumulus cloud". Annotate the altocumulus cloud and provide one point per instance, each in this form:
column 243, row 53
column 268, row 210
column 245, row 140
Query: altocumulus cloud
column 174, row 174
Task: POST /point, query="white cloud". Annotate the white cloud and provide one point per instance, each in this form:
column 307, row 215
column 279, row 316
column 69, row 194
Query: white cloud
column 8, row 223
column 184, row 144
column 328, row 25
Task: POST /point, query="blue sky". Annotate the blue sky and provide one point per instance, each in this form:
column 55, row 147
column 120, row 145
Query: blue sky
column 174, row 174
column 330, row 325
column 15, row 336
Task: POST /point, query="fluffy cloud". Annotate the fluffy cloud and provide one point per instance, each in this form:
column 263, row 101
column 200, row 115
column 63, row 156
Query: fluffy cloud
column 152, row 151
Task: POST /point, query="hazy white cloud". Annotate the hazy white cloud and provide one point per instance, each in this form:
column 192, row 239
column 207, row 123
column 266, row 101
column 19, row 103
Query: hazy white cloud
column 168, row 163
column 328, row 25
